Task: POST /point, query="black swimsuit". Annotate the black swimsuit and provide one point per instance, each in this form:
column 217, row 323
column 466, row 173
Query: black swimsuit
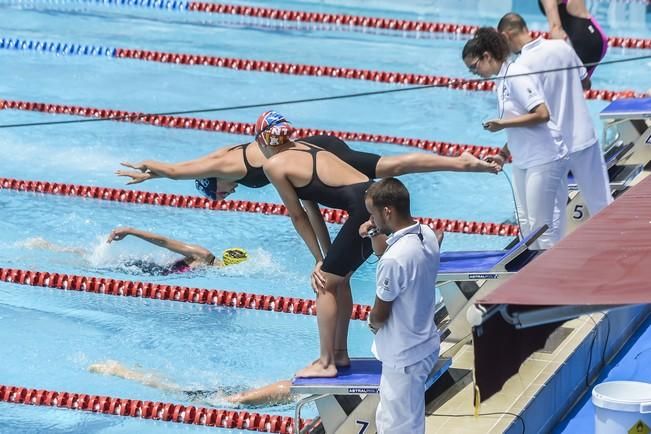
column 587, row 38
column 348, row 250
column 365, row 162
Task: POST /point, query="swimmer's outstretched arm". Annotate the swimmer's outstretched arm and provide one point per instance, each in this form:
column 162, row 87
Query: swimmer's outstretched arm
column 190, row 251
column 116, row 369
column 208, row 166
column 271, row 394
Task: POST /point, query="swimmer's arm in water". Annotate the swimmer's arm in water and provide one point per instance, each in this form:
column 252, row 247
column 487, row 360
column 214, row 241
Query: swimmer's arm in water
column 300, row 220
column 554, row 19
column 190, row 251
column 116, row 369
column 318, row 224
column 271, row 394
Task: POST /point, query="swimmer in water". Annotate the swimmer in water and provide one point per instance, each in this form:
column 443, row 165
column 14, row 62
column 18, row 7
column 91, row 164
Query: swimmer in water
column 277, row 393
column 194, row 256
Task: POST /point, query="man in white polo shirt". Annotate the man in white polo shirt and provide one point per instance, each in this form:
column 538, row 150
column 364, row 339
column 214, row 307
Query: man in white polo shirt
column 406, row 339
column 563, row 92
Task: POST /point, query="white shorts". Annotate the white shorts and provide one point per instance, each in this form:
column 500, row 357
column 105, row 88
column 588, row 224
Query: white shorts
column 537, row 189
column 589, row 170
column 402, row 398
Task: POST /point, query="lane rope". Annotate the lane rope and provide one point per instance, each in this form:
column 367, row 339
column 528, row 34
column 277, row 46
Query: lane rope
column 299, row 69
column 400, row 26
column 156, row 291
column 196, row 202
column 230, row 127
column 161, row 411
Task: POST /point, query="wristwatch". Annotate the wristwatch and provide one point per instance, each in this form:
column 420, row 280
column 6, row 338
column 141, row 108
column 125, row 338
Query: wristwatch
column 373, row 232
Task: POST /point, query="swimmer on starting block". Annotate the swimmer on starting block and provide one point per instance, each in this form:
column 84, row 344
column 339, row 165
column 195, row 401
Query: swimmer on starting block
column 194, row 256
column 277, row 393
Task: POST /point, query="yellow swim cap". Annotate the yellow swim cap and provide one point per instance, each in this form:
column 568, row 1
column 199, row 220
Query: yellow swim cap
column 234, row 256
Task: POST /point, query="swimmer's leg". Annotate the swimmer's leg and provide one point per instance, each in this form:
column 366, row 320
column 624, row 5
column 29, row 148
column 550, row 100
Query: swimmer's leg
column 327, row 320
column 344, row 312
column 116, row 369
column 396, row 165
column 272, row 394
column 42, row 243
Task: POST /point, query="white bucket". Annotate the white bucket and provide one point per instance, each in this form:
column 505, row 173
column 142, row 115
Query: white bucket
column 620, row 405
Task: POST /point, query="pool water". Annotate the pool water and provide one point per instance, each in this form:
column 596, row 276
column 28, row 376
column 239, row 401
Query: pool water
column 50, row 336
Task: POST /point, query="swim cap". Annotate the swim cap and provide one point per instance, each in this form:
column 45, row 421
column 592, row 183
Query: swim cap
column 273, row 129
column 207, row 187
column 234, row 256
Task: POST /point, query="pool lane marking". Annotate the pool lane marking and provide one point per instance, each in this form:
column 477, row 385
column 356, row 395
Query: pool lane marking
column 237, row 64
column 158, row 291
column 234, row 127
column 197, row 202
column 341, row 21
column 161, row 411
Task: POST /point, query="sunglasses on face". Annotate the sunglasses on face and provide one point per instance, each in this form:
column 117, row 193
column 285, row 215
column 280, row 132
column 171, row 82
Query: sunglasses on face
column 473, row 66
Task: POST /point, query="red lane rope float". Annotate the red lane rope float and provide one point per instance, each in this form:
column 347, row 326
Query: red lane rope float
column 183, row 294
column 180, row 201
column 373, row 22
column 335, row 72
column 242, row 128
column 162, row 411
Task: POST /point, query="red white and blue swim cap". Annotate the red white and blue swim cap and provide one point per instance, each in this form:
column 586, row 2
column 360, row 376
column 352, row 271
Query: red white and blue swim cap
column 273, row 129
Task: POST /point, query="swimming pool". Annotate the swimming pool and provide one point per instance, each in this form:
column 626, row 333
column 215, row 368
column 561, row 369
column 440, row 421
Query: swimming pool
column 51, row 336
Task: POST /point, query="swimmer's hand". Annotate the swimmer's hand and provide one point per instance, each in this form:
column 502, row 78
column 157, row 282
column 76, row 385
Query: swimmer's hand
column 558, row 33
column 137, row 166
column 493, row 125
column 118, row 234
column 317, row 278
column 136, row 177
column 474, row 164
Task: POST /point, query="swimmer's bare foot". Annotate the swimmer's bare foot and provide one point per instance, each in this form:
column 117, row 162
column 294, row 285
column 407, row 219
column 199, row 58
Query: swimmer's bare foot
column 317, row 370
column 474, row 164
column 341, row 360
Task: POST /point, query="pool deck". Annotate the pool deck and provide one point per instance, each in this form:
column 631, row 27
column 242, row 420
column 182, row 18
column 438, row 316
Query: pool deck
column 551, row 381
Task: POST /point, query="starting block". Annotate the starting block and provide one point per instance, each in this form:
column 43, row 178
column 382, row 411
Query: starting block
column 347, row 403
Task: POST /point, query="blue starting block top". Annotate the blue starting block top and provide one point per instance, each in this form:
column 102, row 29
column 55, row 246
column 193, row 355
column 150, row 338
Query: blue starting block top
column 360, row 378
column 632, row 108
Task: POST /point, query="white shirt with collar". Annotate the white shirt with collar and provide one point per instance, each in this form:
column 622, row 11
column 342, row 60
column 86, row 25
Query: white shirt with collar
column 562, row 89
column 532, row 145
column 406, row 275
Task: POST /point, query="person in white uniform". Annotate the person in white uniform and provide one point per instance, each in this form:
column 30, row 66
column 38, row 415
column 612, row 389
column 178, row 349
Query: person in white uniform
column 534, row 141
column 563, row 92
column 402, row 318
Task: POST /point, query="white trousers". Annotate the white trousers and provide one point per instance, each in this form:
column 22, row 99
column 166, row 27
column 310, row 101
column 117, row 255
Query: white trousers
column 402, row 398
column 589, row 170
column 536, row 191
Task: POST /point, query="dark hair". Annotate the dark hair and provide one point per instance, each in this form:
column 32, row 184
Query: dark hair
column 392, row 193
column 487, row 39
column 512, row 21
